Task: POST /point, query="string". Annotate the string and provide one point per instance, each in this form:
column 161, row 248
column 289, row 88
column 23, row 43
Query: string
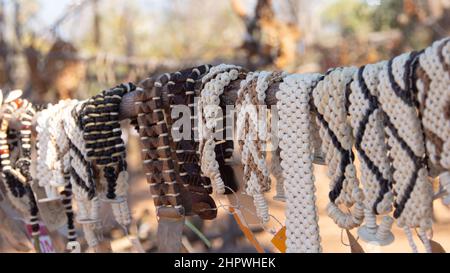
column 342, row 239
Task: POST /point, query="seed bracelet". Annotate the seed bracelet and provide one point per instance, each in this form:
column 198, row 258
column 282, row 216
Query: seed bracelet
column 105, row 147
column 82, row 176
column 165, row 184
column 181, row 91
column 186, row 151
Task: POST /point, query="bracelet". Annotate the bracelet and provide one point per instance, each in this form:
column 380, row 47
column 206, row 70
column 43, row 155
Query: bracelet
column 433, row 103
column 156, row 151
column 181, row 92
column 53, row 160
column 82, row 181
column 252, row 135
column 366, row 118
column 293, row 104
column 413, row 192
column 186, row 149
column 102, row 133
column 329, row 104
column 213, row 85
column 105, row 148
column 368, row 129
column 17, row 175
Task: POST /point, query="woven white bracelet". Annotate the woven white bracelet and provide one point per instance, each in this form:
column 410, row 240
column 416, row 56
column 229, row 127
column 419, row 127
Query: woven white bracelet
column 296, row 161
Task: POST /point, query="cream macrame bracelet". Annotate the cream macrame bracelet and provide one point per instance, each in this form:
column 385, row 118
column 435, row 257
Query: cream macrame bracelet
column 434, row 102
column 214, row 84
column 252, row 130
column 366, row 118
column 293, row 106
column 247, row 131
column 335, row 131
column 412, row 189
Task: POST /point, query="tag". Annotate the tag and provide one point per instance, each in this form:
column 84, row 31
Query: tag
column 240, row 220
column 51, row 213
column 45, row 241
column 354, row 245
column 279, row 240
column 436, row 247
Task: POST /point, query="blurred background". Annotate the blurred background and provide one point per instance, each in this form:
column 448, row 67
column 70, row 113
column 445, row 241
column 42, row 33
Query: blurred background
column 75, row 48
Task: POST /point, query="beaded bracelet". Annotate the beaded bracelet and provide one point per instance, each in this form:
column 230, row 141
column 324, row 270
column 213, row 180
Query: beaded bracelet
column 53, row 160
column 213, row 85
column 293, row 104
column 156, row 151
column 181, row 92
column 412, row 189
column 105, row 148
column 366, row 118
column 82, row 176
column 329, row 104
column 18, row 178
column 102, row 133
column 433, row 78
column 186, row 150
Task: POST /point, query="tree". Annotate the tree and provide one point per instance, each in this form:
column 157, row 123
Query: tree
column 268, row 40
